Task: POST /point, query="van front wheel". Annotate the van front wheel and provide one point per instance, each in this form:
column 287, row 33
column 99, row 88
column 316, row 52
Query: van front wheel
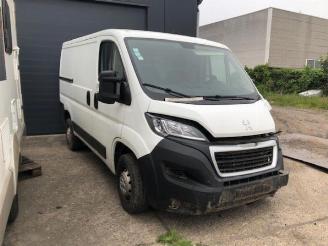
column 130, row 186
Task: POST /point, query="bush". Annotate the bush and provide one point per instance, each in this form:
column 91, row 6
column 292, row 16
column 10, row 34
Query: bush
column 290, row 81
column 324, row 66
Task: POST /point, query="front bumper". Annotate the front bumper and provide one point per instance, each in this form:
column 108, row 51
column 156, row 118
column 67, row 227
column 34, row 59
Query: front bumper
column 241, row 194
column 180, row 177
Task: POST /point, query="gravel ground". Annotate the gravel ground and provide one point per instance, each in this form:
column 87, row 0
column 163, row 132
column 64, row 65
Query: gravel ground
column 304, row 121
column 75, row 202
column 304, row 134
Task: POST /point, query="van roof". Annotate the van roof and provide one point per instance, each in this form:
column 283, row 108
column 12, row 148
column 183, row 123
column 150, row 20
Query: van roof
column 123, row 33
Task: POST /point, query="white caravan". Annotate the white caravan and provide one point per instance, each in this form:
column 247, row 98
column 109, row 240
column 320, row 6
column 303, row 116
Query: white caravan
column 176, row 118
column 11, row 115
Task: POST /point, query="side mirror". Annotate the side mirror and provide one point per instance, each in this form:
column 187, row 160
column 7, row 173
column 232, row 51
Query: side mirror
column 109, row 87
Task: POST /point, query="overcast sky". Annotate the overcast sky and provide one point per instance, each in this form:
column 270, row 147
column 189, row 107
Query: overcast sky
column 216, row 10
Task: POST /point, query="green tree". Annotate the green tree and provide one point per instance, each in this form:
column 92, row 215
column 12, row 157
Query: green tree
column 324, row 66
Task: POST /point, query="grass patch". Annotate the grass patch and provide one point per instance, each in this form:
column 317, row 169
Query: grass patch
column 172, row 238
column 294, row 100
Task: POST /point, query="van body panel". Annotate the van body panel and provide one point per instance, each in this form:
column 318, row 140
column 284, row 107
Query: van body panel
column 73, row 96
column 79, row 62
column 121, row 34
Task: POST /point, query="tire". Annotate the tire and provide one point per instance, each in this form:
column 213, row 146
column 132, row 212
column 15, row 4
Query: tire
column 132, row 196
column 73, row 142
column 14, row 210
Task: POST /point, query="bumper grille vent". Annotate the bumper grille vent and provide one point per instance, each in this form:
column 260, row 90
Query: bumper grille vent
column 238, row 161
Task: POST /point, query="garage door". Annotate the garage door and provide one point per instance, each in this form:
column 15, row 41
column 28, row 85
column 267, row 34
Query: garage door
column 43, row 25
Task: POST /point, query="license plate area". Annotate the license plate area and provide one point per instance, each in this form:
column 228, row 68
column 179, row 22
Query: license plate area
column 246, row 192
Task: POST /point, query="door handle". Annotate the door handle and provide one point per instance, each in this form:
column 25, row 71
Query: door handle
column 88, row 98
column 95, row 100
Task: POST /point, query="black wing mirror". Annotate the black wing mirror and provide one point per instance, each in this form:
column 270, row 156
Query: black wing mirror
column 109, row 87
column 108, row 76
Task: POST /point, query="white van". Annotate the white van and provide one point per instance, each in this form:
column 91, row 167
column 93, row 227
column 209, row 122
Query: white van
column 11, row 115
column 176, row 118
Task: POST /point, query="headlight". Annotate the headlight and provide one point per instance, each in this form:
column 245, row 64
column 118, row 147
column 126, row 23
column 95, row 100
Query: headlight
column 166, row 127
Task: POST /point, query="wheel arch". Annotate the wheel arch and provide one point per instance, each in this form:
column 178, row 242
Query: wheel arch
column 135, row 143
column 119, row 150
column 66, row 111
column 122, row 146
column 67, row 115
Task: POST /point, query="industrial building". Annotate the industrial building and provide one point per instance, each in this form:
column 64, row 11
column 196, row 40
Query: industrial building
column 272, row 36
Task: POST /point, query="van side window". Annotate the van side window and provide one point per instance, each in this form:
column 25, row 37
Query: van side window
column 110, row 59
column 7, row 27
column 2, row 54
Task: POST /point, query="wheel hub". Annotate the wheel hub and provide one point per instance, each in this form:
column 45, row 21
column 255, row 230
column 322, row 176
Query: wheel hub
column 125, row 183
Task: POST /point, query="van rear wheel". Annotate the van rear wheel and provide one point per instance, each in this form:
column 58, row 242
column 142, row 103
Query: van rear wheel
column 73, row 142
column 130, row 186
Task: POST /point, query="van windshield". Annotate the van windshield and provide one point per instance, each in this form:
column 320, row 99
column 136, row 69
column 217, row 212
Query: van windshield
column 189, row 69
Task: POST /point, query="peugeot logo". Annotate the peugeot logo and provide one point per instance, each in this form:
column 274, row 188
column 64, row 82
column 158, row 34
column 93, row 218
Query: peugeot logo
column 247, row 125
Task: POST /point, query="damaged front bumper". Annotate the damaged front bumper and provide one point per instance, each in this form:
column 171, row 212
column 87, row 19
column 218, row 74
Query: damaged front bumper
column 232, row 196
column 180, row 177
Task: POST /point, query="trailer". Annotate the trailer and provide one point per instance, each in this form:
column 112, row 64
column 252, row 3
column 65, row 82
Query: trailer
column 11, row 115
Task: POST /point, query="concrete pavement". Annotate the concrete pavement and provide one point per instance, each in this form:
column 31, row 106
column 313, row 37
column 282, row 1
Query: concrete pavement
column 75, row 202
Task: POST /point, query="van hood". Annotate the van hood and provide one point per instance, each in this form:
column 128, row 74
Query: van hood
column 221, row 120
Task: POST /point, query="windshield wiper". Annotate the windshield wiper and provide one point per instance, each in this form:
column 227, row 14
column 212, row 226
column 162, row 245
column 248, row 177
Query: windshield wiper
column 167, row 90
column 219, row 97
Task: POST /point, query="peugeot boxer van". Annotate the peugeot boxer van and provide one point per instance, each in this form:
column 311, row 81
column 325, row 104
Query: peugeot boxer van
column 176, row 118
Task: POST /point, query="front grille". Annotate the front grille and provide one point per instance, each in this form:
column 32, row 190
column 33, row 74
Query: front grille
column 238, row 161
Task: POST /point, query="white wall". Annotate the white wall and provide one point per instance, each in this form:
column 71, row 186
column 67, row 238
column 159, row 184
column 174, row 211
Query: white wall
column 295, row 38
column 245, row 35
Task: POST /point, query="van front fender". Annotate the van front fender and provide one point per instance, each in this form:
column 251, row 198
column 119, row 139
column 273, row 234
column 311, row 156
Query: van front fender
column 136, row 143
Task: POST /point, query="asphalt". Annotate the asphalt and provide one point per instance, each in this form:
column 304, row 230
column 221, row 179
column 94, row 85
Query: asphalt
column 75, row 202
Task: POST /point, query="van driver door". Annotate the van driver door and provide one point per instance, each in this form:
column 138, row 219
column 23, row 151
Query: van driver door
column 110, row 117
